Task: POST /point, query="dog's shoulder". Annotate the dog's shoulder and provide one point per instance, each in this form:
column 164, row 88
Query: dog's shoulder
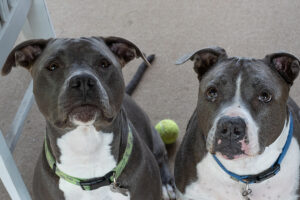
column 134, row 112
column 187, row 158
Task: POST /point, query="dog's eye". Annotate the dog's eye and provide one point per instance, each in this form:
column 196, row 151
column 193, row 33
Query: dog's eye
column 104, row 63
column 265, row 97
column 212, row 93
column 53, row 66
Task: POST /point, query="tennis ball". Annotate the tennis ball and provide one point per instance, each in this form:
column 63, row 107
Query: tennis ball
column 168, row 130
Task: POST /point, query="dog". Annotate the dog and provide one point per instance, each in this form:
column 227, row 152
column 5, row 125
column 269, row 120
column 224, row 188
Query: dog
column 242, row 141
column 99, row 143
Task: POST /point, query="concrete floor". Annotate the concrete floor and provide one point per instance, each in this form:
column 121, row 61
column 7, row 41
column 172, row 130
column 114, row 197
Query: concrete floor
column 169, row 29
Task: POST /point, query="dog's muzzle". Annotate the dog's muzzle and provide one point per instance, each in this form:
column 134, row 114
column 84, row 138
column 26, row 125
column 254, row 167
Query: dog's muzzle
column 87, row 98
column 230, row 137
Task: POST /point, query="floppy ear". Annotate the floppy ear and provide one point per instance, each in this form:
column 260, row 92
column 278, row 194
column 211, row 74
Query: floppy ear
column 287, row 65
column 24, row 54
column 204, row 59
column 124, row 49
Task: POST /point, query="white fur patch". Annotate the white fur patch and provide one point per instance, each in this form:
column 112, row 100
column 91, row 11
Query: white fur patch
column 214, row 184
column 236, row 108
column 86, row 153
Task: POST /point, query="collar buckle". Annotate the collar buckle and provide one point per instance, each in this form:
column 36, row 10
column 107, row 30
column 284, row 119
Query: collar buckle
column 272, row 171
column 95, row 183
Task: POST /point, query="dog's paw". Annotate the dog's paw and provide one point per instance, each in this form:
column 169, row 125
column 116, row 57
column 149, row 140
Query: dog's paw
column 168, row 192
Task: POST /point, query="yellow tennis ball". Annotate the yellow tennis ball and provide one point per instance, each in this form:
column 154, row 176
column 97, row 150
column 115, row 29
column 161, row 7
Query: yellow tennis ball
column 168, row 130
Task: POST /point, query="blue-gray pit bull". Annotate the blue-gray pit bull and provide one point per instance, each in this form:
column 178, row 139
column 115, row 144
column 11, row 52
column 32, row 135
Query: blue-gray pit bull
column 242, row 141
column 94, row 130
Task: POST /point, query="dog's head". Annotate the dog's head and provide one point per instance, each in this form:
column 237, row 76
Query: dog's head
column 242, row 103
column 76, row 81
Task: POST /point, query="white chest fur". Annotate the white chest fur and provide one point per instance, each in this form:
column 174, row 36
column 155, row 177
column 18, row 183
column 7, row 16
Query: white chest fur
column 86, row 153
column 214, row 184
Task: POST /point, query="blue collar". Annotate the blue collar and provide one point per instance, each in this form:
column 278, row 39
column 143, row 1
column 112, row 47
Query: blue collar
column 268, row 173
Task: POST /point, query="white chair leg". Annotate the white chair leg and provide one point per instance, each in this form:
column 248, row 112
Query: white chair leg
column 10, row 175
column 38, row 23
column 16, row 128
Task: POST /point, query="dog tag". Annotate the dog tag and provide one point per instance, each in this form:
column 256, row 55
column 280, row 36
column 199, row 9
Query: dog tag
column 247, row 191
column 117, row 189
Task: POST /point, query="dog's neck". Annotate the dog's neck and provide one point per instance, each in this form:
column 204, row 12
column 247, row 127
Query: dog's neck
column 118, row 130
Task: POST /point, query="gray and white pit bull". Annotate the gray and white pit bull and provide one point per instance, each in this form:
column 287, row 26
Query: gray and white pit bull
column 79, row 88
column 240, row 128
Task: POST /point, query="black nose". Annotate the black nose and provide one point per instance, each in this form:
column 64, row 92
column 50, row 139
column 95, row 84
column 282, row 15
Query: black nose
column 233, row 128
column 82, row 82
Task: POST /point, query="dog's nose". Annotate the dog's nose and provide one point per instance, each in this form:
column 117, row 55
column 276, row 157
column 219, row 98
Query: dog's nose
column 82, row 82
column 233, row 128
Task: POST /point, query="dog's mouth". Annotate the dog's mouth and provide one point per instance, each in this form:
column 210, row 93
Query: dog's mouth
column 84, row 113
column 230, row 153
column 229, row 150
column 87, row 113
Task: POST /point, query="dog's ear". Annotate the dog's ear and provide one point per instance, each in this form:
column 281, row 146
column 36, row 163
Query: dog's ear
column 124, row 49
column 204, row 59
column 287, row 65
column 24, row 54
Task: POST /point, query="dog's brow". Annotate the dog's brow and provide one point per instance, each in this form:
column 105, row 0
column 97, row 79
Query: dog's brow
column 54, row 57
column 259, row 83
column 58, row 53
column 218, row 80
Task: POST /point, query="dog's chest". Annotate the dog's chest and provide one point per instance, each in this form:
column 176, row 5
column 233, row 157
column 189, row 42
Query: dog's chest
column 214, row 184
column 86, row 153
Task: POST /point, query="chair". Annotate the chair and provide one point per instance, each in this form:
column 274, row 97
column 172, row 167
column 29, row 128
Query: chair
column 32, row 18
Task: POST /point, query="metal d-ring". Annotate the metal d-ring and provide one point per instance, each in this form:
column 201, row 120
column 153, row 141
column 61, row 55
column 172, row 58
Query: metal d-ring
column 247, row 190
column 115, row 181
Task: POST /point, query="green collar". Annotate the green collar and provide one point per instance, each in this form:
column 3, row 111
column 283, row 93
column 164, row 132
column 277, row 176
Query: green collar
column 93, row 183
